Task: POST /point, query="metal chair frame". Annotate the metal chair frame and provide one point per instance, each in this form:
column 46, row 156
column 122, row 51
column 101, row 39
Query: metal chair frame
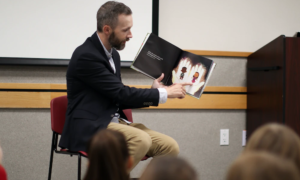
column 63, row 151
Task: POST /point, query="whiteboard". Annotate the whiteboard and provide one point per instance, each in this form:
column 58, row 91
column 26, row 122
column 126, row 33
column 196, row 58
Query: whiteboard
column 53, row 29
column 231, row 25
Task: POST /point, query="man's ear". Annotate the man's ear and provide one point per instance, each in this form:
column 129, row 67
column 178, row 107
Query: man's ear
column 129, row 164
column 107, row 30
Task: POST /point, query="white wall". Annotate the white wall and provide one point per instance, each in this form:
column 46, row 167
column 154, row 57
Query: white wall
column 231, row 25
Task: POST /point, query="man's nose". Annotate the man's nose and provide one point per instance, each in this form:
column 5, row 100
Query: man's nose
column 129, row 35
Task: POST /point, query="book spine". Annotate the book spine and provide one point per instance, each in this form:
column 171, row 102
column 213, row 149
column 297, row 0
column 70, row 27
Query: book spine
column 144, row 42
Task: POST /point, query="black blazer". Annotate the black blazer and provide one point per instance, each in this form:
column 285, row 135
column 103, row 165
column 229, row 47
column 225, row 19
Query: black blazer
column 95, row 94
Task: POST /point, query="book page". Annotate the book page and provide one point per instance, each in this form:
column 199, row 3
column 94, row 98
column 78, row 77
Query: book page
column 192, row 69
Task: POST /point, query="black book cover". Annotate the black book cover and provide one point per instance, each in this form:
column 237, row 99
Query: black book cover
column 157, row 56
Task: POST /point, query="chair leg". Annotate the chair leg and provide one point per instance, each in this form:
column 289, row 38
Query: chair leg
column 79, row 166
column 51, row 157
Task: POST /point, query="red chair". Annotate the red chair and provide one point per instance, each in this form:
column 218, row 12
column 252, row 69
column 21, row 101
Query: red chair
column 58, row 108
column 3, row 175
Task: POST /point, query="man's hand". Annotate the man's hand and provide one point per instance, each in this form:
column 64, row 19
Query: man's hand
column 157, row 82
column 177, row 90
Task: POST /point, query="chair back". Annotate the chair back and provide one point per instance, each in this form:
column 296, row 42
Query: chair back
column 58, row 108
column 128, row 114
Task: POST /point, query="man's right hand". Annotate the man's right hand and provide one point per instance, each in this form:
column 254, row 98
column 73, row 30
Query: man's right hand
column 177, row 90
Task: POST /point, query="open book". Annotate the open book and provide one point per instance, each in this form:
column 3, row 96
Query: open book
column 157, row 56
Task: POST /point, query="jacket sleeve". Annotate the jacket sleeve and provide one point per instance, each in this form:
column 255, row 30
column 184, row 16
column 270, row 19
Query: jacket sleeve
column 94, row 73
column 129, row 106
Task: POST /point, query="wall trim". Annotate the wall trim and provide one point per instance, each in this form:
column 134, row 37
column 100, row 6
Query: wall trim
column 220, row 53
column 39, row 95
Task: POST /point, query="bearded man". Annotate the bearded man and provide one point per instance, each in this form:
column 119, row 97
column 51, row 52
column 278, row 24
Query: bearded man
column 97, row 96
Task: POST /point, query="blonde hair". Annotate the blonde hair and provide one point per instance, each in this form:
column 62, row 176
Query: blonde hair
column 276, row 139
column 262, row 166
column 169, row 168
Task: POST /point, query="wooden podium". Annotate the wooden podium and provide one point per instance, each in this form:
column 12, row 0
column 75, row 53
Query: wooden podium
column 273, row 84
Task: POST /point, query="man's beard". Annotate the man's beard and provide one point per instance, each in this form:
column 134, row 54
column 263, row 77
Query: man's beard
column 115, row 42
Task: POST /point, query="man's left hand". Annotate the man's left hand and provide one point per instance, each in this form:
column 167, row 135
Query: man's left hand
column 157, row 82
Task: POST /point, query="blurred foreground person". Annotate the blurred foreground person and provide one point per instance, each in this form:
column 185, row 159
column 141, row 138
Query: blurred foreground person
column 108, row 157
column 169, row 168
column 262, row 166
column 277, row 139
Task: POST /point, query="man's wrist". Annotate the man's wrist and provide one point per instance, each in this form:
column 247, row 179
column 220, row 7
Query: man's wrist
column 163, row 95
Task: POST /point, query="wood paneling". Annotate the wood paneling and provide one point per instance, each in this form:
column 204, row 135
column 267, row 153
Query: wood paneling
column 58, row 86
column 64, row 87
column 273, row 81
column 207, row 101
column 220, row 53
column 24, row 86
column 225, row 89
column 209, row 88
column 23, row 99
column 292, row 84
column 265, row 87
column 57, row 94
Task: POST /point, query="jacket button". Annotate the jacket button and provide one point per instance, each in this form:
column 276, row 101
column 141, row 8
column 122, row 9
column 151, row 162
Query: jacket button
column 112, row 115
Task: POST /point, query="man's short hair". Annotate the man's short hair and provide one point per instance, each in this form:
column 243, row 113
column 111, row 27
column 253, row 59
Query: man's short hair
column 108, row 14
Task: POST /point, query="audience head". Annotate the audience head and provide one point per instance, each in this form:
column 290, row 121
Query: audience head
column 169, row 168
column 262, row 166
column 277, row 139
column 108, row 157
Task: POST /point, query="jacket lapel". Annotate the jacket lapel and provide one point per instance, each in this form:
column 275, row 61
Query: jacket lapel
column 98, row 45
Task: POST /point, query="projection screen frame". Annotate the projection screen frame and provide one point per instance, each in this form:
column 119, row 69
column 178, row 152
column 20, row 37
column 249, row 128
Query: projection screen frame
column 65, row 62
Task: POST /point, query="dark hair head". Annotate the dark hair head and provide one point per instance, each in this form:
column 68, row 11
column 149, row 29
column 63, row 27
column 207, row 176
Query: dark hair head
column 277, row 139
column 262, row 166
column 196, row 74
column 108, row 155
column 169, row 168
column 108, row 14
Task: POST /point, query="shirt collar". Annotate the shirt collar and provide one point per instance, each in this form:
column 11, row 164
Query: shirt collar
column 108, row 54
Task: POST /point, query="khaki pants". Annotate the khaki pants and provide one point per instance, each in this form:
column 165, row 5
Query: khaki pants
column 143, row 141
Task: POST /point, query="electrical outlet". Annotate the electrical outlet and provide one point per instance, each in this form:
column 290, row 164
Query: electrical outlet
column 244, row 138
column 224, row 137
